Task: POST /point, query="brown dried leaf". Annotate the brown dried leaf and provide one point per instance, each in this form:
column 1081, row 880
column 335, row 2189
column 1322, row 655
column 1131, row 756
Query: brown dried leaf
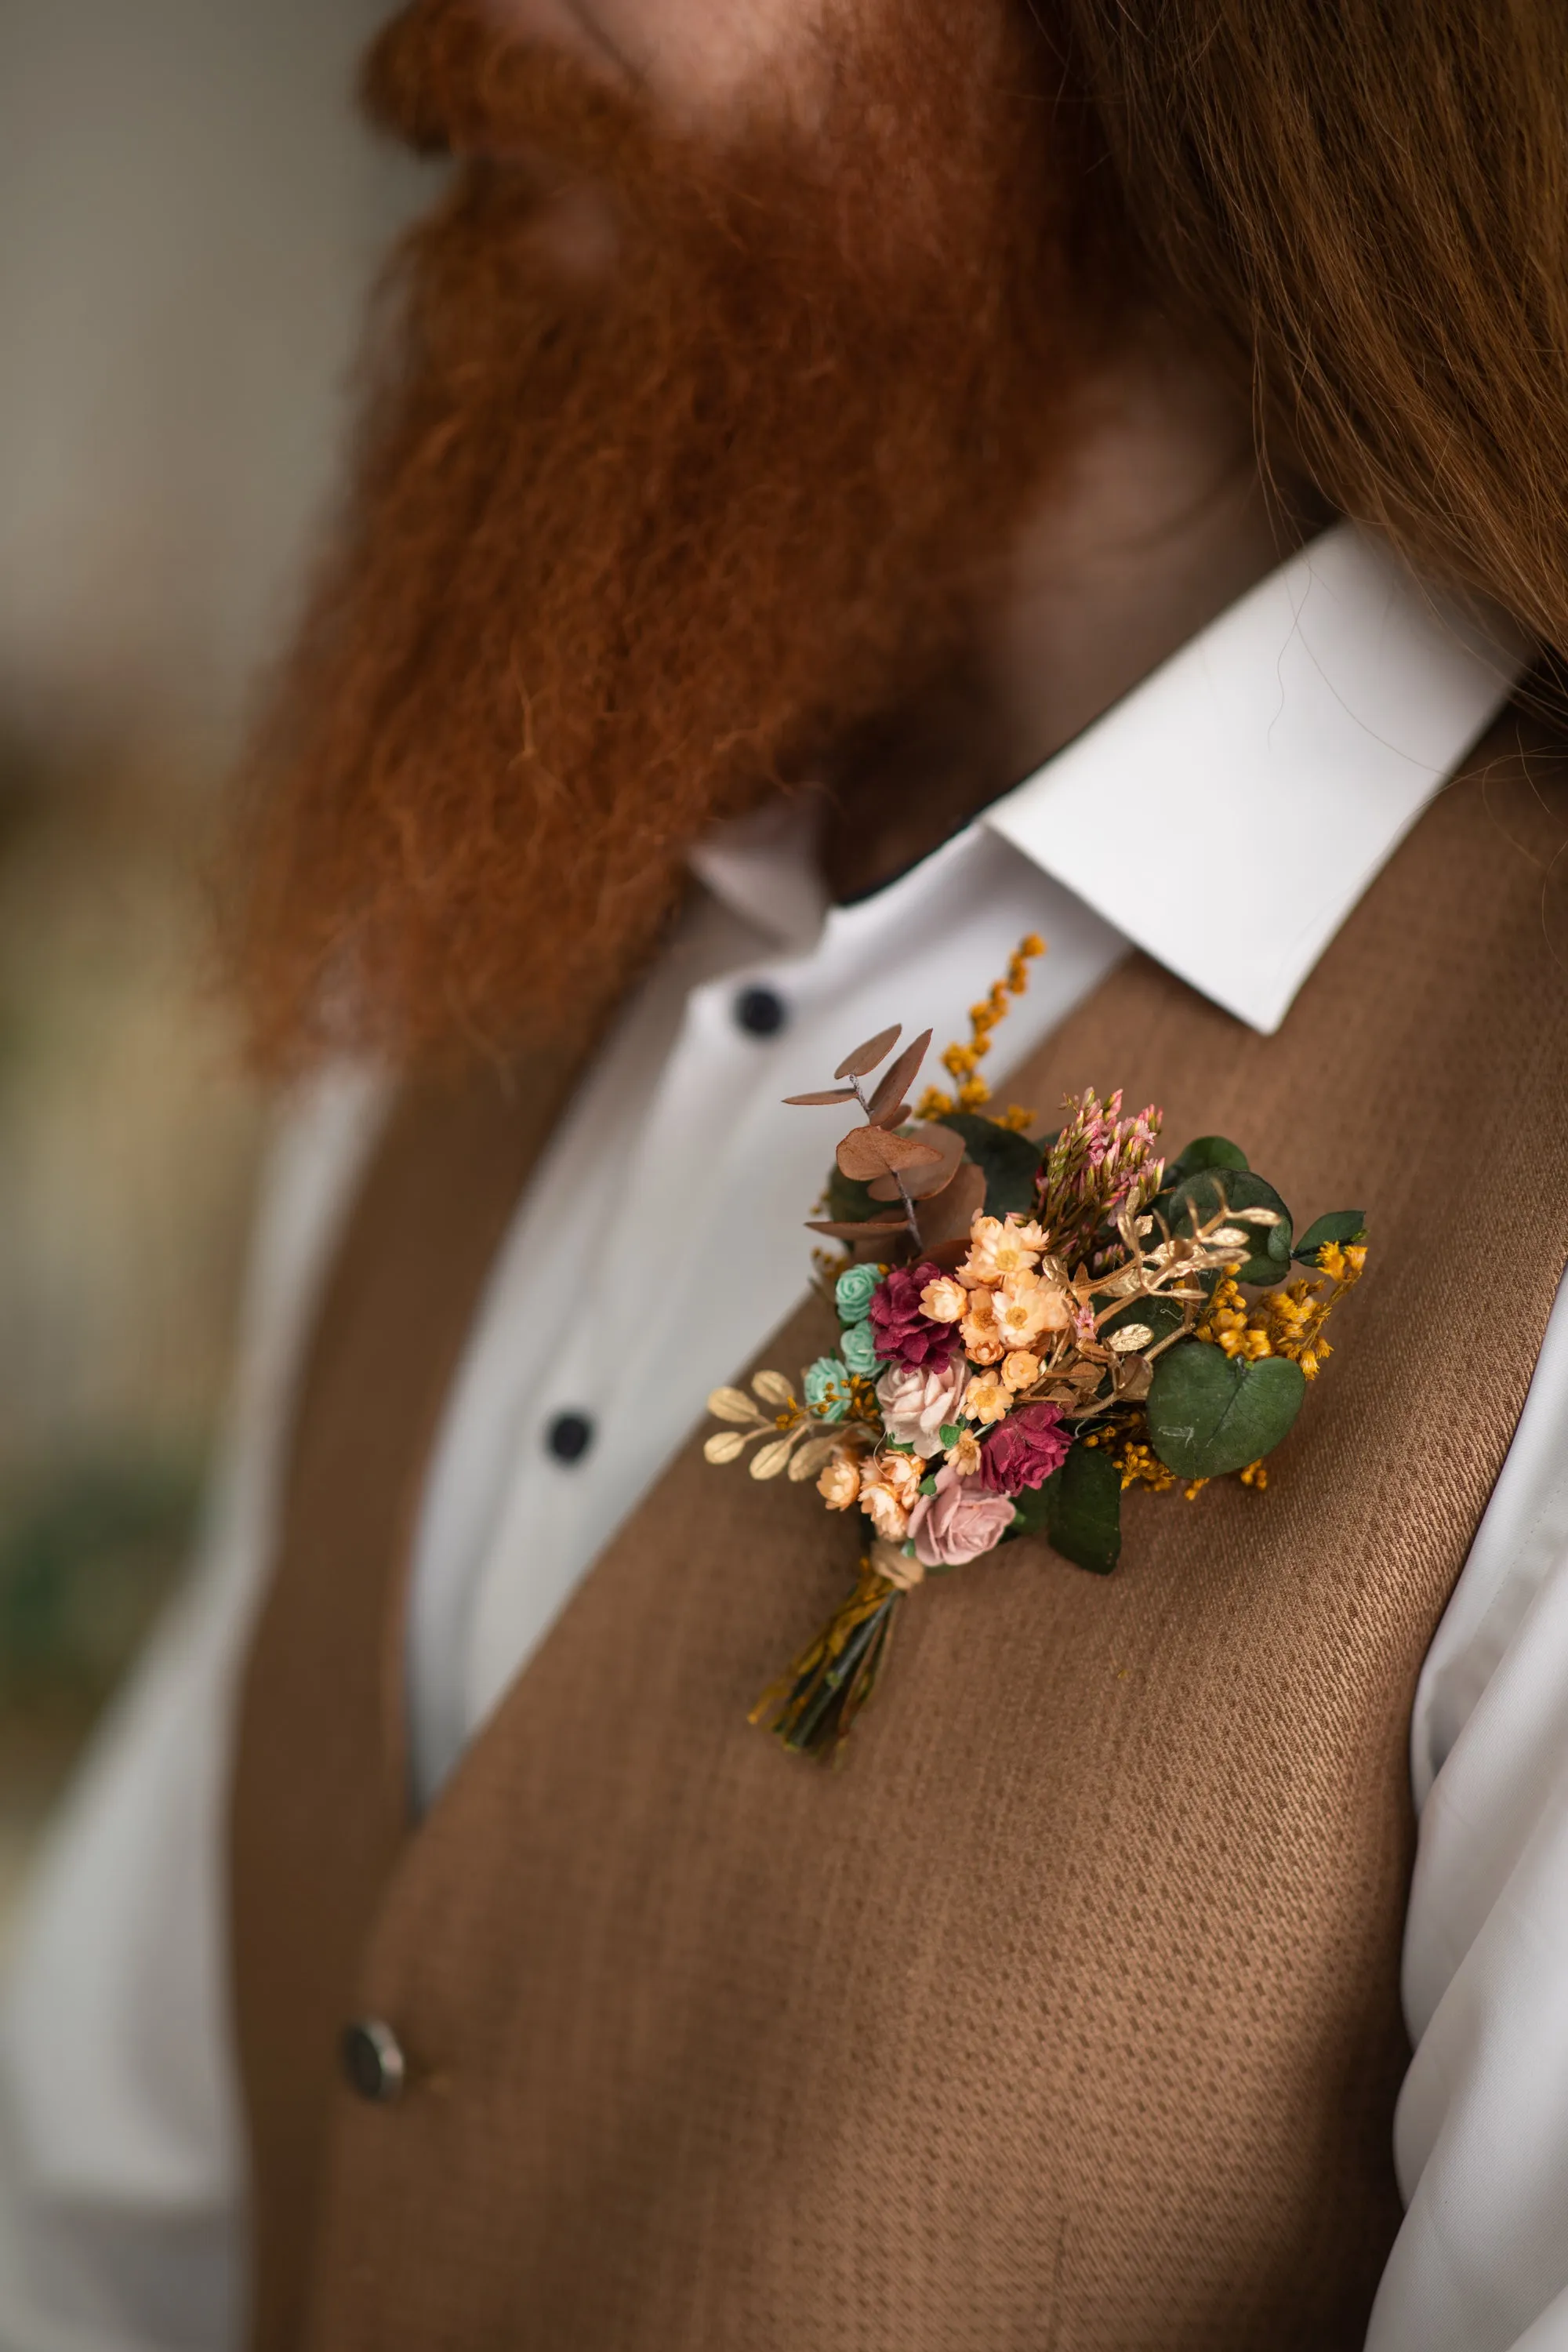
column 867, row 1230
column 833, row 1095
column 870, row 1152
column 895, row 1117
column 865, row 1058
column 923, row 1183
column 898, row 1081
column 948, row 1216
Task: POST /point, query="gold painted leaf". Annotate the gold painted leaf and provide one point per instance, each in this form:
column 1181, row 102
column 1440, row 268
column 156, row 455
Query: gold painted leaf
column 769, row 1460
column 1131, row 1337
column 725, row 1445
column 814, row 1457
column 733, row 1404
column 865, row 1058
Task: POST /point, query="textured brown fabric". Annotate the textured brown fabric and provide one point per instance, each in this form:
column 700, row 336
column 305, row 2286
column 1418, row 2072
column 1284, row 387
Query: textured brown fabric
column 1066, row 2016
column 318, row 1805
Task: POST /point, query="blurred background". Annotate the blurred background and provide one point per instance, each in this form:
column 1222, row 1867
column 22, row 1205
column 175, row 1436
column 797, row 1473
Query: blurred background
column 189, row 216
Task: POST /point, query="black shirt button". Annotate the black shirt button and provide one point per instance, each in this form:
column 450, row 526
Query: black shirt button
column 373, row 2061
column 569, row 1436
column 761, row 1012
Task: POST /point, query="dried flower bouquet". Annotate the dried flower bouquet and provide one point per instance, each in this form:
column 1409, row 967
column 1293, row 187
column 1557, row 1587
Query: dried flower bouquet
column 1027, row 1328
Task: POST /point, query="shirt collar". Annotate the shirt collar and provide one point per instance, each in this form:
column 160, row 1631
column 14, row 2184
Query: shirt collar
column 1228, row 814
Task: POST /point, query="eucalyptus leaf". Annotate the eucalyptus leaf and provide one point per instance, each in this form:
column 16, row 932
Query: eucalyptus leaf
column 1083, row 1510
column 849, row 1202
column 1199, row 1198
column 1208, row 1151
column 1008, row 1161
column 1341, row 1225
column 1210, row 1412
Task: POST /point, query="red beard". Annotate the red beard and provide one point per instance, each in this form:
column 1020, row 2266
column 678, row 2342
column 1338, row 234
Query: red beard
column 624, row 556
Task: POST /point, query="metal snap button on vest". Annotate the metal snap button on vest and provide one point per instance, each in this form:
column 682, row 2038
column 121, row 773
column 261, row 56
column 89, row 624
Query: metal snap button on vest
column 373, row 2061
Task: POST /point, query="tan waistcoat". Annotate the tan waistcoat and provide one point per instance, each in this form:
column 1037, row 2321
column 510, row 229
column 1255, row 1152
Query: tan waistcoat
column 1065, row 2015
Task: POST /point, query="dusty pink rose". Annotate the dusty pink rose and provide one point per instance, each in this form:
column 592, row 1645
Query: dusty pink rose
column 959, row 1522
column 916, row 1403
column 1024, row 1450
column 901, row 1333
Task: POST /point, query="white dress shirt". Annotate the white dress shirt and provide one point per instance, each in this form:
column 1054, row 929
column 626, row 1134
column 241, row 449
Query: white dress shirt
column 1312, row 723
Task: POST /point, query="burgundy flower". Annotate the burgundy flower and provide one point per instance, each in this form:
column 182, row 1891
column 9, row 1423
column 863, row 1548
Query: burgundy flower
column 1024, row 1450
column 902, row 1334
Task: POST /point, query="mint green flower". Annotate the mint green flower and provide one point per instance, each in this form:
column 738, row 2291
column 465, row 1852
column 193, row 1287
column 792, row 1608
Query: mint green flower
column 853, row 1295
column 827, row 1393
column 859, row 1348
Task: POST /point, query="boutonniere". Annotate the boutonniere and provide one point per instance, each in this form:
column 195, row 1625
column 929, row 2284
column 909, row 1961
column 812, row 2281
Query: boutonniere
column 1027, row 1328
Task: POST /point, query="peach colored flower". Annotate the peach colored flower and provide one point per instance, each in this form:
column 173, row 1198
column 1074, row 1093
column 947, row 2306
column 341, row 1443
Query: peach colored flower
column 982, row 1342
column 944, row 1301
column 839, row 1484
column 1023, row 1308
column 999, row 1247
column 917, row 1404
column 964, row 1457
column 1021, row 1370
column 987, row 1400
column 889, row 1488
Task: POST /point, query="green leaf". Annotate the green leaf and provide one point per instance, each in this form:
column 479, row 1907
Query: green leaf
column 1341, row 1225
column 849, row 1203
column 1208, row 1151
column 951, row 1432
column 1078, row 1510
column 1198, row 1198
column 1210, row 1412
column 1008, row 1161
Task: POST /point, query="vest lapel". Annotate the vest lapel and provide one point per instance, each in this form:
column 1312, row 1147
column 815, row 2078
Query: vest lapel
column 319, row 1807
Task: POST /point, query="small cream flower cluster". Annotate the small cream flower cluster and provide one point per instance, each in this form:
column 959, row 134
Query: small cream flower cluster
column 1006, row 1296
